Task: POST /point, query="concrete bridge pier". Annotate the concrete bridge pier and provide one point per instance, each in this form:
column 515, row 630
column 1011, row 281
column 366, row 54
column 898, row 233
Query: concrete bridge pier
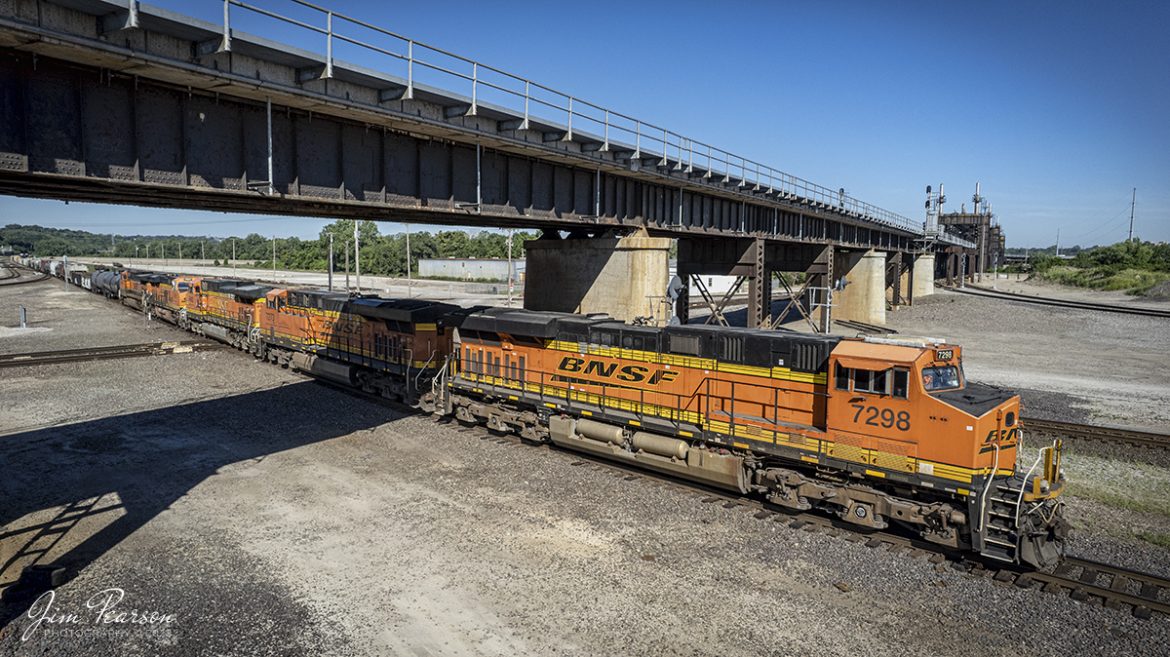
column 860, row 290
column 625, row 277
column 922, row 276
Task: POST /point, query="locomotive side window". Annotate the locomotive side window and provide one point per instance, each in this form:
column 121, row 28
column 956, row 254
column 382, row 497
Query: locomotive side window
column 901, row 383
column 870, row 381
column 842, row 377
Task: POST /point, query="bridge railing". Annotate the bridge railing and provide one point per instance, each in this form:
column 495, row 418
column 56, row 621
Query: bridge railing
column 575, row 118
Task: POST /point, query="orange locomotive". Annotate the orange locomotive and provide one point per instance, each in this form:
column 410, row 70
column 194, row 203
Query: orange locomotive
column 877, row 431
column 392, row 347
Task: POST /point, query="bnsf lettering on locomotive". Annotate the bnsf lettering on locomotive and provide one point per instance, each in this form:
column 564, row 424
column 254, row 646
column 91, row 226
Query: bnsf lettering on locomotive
column 600, row 369
column 627, row 373
column 633, row 373
column 570, row 364
column 1005, row 435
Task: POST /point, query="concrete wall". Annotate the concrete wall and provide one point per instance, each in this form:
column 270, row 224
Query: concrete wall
column 470, row 269
column 625, row 277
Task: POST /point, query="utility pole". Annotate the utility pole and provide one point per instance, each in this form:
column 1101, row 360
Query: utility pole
column 233, row 255
column 164, row 255
column 180, row 252
column 135, row 253
column 274, row 258
column 202, row 253
column 347, row 265
column 330, row 261
column 510, row 276
column 357, row 257
column 409, row 289
column 1058, row 242
column 1132, row 203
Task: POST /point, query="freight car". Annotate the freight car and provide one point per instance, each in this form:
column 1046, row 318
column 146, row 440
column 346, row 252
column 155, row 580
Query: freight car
column 878, row 432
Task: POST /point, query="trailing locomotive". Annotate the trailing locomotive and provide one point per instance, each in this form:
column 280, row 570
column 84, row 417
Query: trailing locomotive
column 878, row 432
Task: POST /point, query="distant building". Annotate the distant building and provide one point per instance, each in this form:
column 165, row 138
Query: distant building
column 471, row 269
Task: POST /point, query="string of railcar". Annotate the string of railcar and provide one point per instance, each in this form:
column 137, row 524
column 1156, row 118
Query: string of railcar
column 878, row 432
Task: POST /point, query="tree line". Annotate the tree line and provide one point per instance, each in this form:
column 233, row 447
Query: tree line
column 381, row 254
column 1131, row 254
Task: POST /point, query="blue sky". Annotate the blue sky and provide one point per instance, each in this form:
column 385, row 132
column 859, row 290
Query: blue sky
column 1058, row 108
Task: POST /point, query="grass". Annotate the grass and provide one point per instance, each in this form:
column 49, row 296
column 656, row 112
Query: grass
column 1131, row 281
column 1161, row 539
column 1134, row 495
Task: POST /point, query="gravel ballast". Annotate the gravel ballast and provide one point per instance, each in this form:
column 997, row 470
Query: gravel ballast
column 275, row 515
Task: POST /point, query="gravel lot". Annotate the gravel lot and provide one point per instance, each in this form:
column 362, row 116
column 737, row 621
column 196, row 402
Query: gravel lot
column 274, row 515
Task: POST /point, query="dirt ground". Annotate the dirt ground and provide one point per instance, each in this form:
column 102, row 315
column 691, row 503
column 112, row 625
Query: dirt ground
column 269, row 514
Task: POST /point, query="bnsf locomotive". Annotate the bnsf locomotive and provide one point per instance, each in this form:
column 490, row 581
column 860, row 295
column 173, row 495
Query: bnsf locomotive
column 878, row 432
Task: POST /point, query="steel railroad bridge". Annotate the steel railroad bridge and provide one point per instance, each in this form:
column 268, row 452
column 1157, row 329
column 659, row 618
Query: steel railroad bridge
column 120, row 102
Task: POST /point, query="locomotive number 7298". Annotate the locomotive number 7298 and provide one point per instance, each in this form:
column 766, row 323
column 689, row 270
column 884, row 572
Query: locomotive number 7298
column 883, row 417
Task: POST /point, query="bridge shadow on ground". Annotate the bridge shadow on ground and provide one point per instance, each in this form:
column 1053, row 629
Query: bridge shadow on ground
column 63, row 485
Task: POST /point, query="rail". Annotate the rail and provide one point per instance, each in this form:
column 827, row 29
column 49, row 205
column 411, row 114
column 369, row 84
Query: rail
column 1134, row 437
column 535, row 101
column 1060, row 303
column 105, row 353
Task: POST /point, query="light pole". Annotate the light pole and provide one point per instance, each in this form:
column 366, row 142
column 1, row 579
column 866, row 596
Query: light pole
column 135, row 254
column 330, row 261
column 274, row 258
column 233, row 256
column 357, row 257
column 409, row 287
column 510, row 276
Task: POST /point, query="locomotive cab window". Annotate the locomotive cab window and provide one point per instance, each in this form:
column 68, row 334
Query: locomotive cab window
column 945, row 377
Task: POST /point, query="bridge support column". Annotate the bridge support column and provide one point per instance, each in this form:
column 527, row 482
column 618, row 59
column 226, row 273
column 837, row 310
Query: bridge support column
column 862, row 297
column 759, row 311
column 625, row 277
column 922, row 278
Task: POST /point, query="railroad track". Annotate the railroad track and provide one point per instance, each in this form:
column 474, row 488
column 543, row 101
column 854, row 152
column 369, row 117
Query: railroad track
column 103, row 353
column 863, row 327
column 1060, row 303
column 1086, row 580
column 1122, row 435
column 20, row 276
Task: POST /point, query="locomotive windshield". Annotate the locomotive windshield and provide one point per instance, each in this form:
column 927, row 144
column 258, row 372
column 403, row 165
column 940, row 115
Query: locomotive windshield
column 945, row 377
